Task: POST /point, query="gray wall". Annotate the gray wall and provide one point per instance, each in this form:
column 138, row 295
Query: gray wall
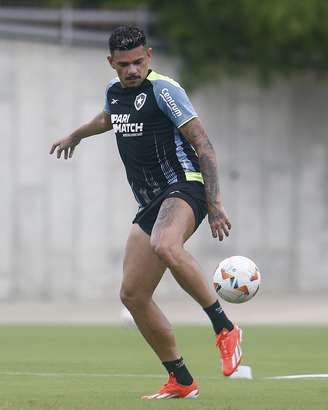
column 63, row 224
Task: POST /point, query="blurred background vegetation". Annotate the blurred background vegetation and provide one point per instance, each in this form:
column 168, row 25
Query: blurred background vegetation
column 220, row 37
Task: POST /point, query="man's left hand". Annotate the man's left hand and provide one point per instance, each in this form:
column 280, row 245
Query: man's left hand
column 219, row 222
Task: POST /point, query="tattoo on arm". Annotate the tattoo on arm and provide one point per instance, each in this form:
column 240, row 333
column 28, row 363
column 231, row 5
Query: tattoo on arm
column 208, row 167
column 197, row 136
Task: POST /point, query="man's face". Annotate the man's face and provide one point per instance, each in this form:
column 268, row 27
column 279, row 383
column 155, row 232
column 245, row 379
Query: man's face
column 131, row 65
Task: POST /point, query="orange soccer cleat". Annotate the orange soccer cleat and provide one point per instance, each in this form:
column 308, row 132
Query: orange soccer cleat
column 228, row 344
column 174, row 390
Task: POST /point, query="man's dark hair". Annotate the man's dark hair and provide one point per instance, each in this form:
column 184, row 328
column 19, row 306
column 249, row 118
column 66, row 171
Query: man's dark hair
column 126, row 38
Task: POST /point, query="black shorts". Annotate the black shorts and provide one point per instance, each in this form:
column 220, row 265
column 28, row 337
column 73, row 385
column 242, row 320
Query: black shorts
column 192, row 192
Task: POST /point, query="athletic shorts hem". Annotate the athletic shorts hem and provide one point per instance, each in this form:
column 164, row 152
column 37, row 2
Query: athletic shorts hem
column 191, row 192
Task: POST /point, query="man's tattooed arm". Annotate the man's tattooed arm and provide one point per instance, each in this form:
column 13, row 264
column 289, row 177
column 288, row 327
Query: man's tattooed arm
column 196, row 135
column 194, row 132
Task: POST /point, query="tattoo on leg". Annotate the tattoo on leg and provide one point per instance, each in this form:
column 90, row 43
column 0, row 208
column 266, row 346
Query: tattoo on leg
column 166, row 213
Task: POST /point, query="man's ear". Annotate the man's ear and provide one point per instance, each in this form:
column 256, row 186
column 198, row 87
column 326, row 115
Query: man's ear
column 110, row 60
column 149, row 52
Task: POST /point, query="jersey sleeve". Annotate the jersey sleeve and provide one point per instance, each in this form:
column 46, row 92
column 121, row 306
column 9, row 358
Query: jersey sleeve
column 174, row 102
column 107, row 104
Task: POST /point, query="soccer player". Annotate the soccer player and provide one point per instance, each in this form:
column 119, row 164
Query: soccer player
column 171, row 167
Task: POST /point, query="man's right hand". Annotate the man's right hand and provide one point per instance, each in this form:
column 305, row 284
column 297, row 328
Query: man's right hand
column 99, row 124
column 66, row 145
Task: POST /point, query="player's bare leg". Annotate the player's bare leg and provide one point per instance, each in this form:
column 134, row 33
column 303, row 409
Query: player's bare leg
column 142, row 271
column 174, row 224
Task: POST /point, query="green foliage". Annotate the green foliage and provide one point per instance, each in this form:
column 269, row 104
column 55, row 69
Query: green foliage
column 221, row 36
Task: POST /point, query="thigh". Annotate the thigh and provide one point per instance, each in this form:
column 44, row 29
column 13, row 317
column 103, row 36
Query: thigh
column 142, row 268
column 175, row 222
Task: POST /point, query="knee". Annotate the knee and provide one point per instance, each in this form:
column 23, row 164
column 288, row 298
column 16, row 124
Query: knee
column 168, row 251
column 128, row 296
column 131, row 298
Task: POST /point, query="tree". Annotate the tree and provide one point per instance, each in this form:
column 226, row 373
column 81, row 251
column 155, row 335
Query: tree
column 222, row 36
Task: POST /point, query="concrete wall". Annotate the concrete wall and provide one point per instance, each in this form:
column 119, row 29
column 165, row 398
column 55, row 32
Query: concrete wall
column 63, row 224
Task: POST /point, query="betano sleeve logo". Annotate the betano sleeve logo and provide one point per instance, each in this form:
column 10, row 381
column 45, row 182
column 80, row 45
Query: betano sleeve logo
column 166, row 96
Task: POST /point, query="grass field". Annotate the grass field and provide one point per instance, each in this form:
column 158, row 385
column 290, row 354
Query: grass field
column 93, row 368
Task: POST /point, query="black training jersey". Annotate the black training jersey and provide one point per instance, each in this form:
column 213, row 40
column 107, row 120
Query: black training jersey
column 146, row 121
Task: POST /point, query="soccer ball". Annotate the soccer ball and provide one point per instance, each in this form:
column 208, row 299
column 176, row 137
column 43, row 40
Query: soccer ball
column 237, row 279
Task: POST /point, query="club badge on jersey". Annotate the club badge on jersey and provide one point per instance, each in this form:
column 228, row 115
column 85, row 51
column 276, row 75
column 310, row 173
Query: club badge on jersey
column 140, row 101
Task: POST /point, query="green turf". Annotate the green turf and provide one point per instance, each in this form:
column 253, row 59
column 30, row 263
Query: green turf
column 75, row 365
